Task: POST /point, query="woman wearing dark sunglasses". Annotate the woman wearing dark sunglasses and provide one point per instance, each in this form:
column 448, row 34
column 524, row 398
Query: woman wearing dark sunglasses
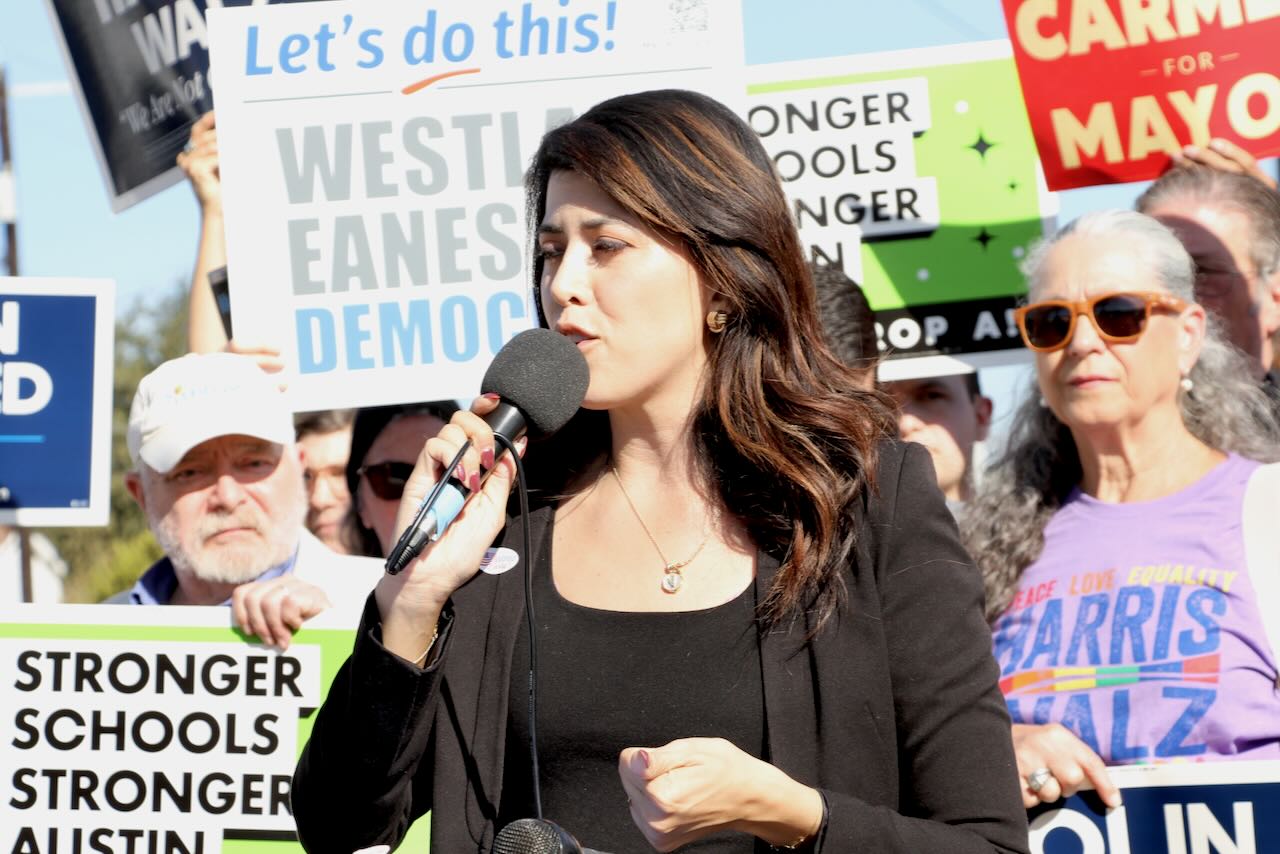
column 1111, row 533
column 385, row 443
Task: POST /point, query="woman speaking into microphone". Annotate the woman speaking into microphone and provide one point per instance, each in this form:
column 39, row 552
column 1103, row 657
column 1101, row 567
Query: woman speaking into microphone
column 755, row 623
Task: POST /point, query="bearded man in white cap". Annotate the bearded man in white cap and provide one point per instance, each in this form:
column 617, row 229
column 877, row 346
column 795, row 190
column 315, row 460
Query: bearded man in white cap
column 220, row 479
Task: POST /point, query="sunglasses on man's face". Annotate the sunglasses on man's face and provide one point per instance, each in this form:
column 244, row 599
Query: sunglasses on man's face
column 387, row 480
column 1119, row 318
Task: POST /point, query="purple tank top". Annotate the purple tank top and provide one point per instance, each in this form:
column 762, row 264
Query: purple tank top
column 1138, row 629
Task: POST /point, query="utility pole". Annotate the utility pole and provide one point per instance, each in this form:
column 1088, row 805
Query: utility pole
column 8, row 215
column 8, row 212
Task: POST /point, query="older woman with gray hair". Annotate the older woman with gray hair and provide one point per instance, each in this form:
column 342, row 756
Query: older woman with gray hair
column 1120, row 573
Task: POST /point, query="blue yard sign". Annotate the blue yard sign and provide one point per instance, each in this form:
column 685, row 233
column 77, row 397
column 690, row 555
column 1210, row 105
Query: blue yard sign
column 1220, row 807
column 56, row 359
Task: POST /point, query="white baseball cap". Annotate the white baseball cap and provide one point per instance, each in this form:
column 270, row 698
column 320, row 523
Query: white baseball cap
column 201, row 396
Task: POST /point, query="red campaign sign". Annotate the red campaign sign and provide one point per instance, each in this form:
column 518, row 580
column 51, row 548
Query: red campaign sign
column 1113, row 86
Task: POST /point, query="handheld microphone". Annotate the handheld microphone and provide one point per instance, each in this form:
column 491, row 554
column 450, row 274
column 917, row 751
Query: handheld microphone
column 540, row 379
column 536, row 836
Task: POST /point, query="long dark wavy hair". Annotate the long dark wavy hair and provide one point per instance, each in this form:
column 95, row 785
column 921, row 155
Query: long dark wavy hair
column 782, row 433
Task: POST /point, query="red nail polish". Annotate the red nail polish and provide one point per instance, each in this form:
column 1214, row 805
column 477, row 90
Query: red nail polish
column 488, row 395
column 475, row 482
column 461, row 474
column 486, row 458
column 644, row 758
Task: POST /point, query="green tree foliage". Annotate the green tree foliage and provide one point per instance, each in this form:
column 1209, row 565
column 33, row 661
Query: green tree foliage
column 107, row 560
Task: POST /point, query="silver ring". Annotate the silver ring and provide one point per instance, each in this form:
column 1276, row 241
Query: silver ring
column 1037, row 779
column 189, row 147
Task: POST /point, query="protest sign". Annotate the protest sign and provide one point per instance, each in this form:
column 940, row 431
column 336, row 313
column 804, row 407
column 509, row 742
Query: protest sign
column 915, row 172
column 1225, row 807
column 1112, row 87
column 140, row 70
column 156, row 729
column 56, row 363
column 372, row 157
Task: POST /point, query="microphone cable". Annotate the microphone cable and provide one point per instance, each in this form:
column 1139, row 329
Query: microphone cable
column 535, row 835
column 402, row 554
column 528, row 606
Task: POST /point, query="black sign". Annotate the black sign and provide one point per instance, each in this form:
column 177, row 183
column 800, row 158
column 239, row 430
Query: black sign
column 948, row 329
column 142, row 68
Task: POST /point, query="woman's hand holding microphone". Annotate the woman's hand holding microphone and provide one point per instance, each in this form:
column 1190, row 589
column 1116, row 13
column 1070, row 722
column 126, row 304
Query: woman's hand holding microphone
column 410, row 602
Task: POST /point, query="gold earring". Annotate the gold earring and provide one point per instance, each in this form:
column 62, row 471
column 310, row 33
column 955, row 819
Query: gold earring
column 717, row 320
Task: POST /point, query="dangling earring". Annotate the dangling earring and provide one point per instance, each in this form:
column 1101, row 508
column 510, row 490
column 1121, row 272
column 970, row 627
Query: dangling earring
column 717, row 320
column 1187, row 384
column 1044, row 404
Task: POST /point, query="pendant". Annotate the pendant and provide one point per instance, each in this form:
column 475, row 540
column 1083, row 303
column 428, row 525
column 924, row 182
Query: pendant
column 672, row 580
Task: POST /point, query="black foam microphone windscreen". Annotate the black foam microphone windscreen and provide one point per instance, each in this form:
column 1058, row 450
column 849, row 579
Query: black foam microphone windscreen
column 541, row 373
column 540, row 378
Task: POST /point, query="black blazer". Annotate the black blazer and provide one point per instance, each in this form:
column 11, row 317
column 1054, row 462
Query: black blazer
column 893, row 711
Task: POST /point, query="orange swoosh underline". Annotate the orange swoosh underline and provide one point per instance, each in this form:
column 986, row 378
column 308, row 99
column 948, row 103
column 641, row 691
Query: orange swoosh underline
column 422, row 84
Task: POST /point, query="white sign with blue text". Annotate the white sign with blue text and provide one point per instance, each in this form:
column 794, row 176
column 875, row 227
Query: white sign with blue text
column 1179, row 808
column 372, row 158
column 56, row 358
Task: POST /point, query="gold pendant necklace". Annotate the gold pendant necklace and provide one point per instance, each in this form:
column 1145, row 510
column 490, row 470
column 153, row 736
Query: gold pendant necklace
column 672, row 577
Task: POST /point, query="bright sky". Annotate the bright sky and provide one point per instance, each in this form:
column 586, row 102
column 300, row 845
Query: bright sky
column 65, row 227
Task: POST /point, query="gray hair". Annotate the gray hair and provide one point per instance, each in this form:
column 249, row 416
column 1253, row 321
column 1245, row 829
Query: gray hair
column 1165, row 254
column 1003, row 526
column 1242, row 193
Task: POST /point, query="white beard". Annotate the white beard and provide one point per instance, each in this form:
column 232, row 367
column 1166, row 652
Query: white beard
column 233, row 563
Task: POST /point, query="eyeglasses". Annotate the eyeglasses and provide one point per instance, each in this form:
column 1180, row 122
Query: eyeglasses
column 1119, row 318
column 387, row 480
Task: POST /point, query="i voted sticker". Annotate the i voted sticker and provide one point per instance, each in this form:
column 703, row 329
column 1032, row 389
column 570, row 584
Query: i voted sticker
column 498, row 561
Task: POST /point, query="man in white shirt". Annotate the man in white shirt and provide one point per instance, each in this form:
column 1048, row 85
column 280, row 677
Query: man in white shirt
column 220, row 479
